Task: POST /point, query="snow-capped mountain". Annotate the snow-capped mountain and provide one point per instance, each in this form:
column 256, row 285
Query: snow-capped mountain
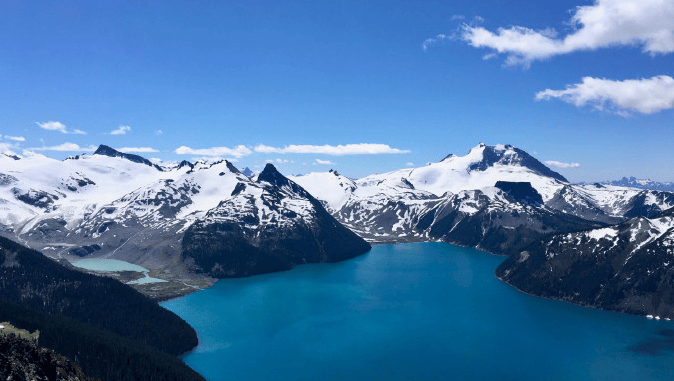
column 633, row 182
column 270, row 224
column 627, row 267
column 438, row 201
column 189, row 222
column 120, row 206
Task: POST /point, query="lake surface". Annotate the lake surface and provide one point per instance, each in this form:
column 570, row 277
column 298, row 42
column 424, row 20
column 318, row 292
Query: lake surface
column 103, row 264
column 422, row 311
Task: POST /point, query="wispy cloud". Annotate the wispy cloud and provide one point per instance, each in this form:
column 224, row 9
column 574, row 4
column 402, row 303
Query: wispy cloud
column 53, row 126
column 8, row 148
column 440, row 38
column 339, row 150
column 16, row 138
column 410, row 164
column 122, row 130
column 238, row 151
column 646, row 95
column 58, row 126
column 324, row 162
column 605, row 23
column 66, row 147
column 279, row 161
column 137, row 150
column 159, row 132
column 559, row 164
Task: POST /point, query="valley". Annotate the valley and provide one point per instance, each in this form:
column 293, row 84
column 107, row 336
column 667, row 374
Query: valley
column 189, row 224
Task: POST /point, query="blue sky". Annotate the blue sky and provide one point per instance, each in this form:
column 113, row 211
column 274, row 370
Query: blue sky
column 396, row 83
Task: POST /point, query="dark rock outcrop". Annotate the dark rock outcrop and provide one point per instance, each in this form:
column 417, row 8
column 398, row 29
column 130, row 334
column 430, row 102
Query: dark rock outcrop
column 498, row 224
column 271, row 225
column 21, row 359
column 111, row 152
column 521, row 192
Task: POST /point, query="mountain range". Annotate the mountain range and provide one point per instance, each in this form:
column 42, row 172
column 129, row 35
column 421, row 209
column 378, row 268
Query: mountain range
column 190, row 223
column 642, row 184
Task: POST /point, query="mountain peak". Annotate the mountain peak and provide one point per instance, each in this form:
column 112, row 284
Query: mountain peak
column 247, row 172
column 271, row 175
column 506, row 154
column 111, row 152
column 231, row 167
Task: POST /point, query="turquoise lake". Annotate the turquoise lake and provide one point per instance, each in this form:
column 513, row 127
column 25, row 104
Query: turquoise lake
column 422, row 311
column 103, row 264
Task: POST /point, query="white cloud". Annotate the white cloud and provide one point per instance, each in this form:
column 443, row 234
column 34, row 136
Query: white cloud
column 214, row 159
column 559, row 164
column 605, row 23
column 66, row 147
column 137, row 150
column 646, row 95
column 238, row 151
column 410, row 164
column 16, row 138
column 58, row 126
column 53, row 126
column 324, row 162
column 122, row 130
column 348, row 149
column 434, row 41
column 159, row 132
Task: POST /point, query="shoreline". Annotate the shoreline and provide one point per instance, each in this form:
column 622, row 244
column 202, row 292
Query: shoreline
column 584, row 305
column 212, row 281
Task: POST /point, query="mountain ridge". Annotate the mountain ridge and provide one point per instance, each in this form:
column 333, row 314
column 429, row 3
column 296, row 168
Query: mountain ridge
column 496, row 198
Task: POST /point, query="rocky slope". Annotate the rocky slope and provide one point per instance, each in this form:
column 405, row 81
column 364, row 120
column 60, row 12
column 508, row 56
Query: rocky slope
column 268, row 225
column 110, row 329
column 39, row 283
column 118, row 206
column 21, row 359
column 497, row 198
column 627, row 267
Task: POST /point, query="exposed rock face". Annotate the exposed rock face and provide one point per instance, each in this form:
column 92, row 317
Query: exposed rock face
column 109, row 151
column 268, row 225
column 521, row 192
column 497, row 198
column 509, row 155
column 627, row 267
column 493, row 221
column 21, row 359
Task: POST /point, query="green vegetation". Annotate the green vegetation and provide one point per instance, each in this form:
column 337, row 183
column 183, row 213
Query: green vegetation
column 99, row 352
column 111, row 330
column 8, row 330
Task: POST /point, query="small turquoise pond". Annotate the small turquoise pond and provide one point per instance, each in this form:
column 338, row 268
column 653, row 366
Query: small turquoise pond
column 102, row 264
